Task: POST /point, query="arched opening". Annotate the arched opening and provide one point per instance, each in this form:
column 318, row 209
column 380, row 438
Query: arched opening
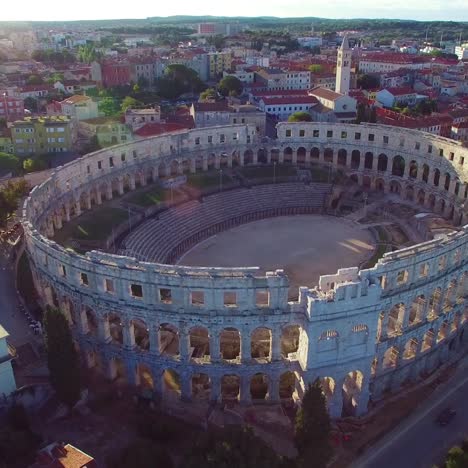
column 169, row 340
column 248, row 157
column 342, row 156
column 450, row 296
column 382, row 162
column 229, row 342
column 275, row 152
column 352, row 387
column 395, row 319
column 447, row 181
column 417, row 310
column 212, row 161
column 428, row 340
column 145, row 377
column 443, row 331
column 287, row 385
column 436, row 177
column 355, row 159
column 118, row 371
column 328, row 155
column 395, row 187
column 201, row 386
column 380, row 185
column 91, row 322
column 171, row 384
column 413, row 170
column 366, row 182
column 315, row 154
column 434, row 304
column 141, row 331
column 368, row 160
column 115, row 328
column 431, row 201
column 230, row 388
column 290, row 341
column 259, row 386
column 390, row 359
column 462, row 283
column 174, row 168
column 199, row 343
column 421, row 197
column 409, row 193
column 328, row 388
column 425, row 175
column 288, row 155
column 261, row 343
column 301, row 155
column 411, row 349
column 398, row 166
column 262, row 156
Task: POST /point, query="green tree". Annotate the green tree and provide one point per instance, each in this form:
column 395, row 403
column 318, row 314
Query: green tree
column 109, row 106
column 142, row 453
column 209, row 94
column 232, row 447
column 366, row 81
column 34, row 165
column 178, row 79
column 9, row 162
column 34, row 80
column 316, row 68
column 62, row 358
column 88, row 53
column 129, row 103
column 230, row 85
column 300, row 116
column 312, row 429
column 31, row 104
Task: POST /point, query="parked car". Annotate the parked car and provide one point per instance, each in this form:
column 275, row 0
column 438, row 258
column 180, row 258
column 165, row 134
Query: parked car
column 445, row 416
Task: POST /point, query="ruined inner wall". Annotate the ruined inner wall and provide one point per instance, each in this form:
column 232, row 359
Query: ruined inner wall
column 232, row 330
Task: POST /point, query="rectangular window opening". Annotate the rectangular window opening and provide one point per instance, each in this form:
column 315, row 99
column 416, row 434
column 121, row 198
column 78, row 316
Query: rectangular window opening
column 136, row 290
column 262, row 298
column 165, row 295
column 197, row 298
column 230, row 299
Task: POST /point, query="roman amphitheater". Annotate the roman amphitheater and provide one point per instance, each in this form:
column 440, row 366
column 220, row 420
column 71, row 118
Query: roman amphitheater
column 206, row 294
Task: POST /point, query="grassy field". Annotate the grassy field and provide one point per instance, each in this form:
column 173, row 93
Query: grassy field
column 149, row 197
column 207, row 179
column 94, row 225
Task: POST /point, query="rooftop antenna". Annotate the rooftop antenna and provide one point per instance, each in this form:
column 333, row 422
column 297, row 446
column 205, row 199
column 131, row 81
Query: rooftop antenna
column 427, row 32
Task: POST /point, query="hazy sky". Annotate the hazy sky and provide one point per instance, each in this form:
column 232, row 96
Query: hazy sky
column 53, row 10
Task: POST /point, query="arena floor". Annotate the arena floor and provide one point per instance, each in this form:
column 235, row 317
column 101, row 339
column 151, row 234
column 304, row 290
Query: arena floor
column 304, row 246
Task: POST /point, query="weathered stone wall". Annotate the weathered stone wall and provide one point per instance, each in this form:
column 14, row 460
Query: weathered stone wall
column 362, row 332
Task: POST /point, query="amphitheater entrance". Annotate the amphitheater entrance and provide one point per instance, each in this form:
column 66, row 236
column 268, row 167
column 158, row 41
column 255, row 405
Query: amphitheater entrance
column 201, row 387
column 305, row 246
column 229, row 343
column 352, row 387
column 259, row 387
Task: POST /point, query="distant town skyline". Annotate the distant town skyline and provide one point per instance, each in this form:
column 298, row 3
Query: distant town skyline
column 424, row 10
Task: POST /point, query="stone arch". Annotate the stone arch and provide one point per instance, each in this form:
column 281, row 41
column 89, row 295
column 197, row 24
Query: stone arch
column 211, row 161
column 425, row 173
column 355, row 159
column 275, row 152
column 369, row 160
column 395, row 187
column 262, row 156
column 431, row 201
column 443, row 331
column 301, row 155
column 352, row 388
column 141, row 333
column 411, row 349
column 447, row 180
column 380, row 185
column 230, row 387
column 395, row 319
column 434, row 304
column 436, row 178
column 171, row 384
column 229, row 343
column 382, row 163
column 359, row 334
column 328, row 388
column 409, row 193
column 450, row 295
column 416, row 313
column 118, row 371
column 287, row 385
column 144, row 377
column 342, row 157
column 315, row 153
column 390, row 359
column 428, row 340
column 199, row 340
column 169, row 339
column 260, row 343
column 290, row 338
column 462, row 283
column 115, row 328
column 398, row 166
column 91, row 321
column 248, row 156
column 421, row 197
column 288, row 154
column 413, row 169
column 328, row 155
column 201, row 386
column 259, row 386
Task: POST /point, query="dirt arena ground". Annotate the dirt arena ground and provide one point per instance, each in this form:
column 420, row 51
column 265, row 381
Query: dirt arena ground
column 304, row 246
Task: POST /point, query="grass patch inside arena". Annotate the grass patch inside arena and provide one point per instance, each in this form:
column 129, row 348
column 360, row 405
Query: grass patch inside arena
column 149, row 197
column 382, row 247
column 93, row 225
column 207, row 179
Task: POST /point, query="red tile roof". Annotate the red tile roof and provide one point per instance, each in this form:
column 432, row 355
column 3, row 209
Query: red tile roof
column 289, row 100
column 153, row 129
column 325, row 93
column 401, row 91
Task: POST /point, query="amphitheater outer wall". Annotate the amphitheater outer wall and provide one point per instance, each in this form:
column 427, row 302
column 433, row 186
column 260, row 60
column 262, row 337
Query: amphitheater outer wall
column 363, row 332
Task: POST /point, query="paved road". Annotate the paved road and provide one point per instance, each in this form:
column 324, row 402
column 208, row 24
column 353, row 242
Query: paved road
column 12, row 317
column 418, row 442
